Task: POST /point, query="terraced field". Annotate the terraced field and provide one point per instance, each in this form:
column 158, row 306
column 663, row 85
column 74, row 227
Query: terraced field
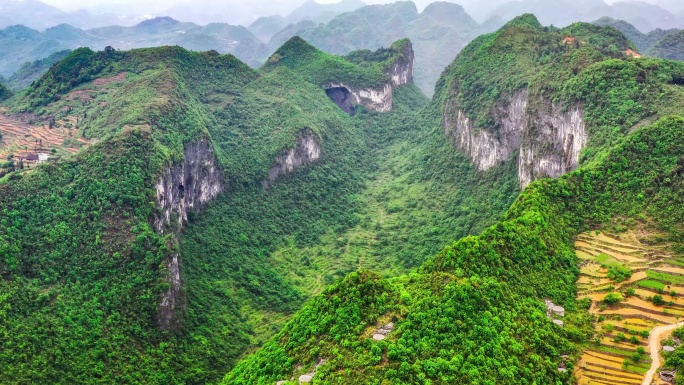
column 19, row 138
column 647, row 286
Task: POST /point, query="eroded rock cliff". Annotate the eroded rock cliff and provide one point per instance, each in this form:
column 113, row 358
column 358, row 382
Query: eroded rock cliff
column 183, row 187
column 307, row 150
column 379, row 98
column 547, row 140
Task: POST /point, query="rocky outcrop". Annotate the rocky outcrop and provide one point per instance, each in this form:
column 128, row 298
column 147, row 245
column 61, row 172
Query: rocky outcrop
column 186, row 186
column 182, row 188
column 380, row 98
column 552, row 145
column 547, row 140
column 488, row 148
column 377, row 99
column 307, row 150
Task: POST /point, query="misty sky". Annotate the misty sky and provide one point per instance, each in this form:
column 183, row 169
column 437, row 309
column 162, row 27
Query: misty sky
column 277, row 4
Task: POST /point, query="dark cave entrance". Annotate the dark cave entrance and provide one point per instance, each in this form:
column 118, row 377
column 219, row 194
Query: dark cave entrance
column 343, row 98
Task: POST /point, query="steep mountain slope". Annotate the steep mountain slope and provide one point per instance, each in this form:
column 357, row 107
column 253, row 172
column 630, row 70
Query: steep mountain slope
column 509, row 106
column 19, row 44
column 476, row 312
column 438, row 34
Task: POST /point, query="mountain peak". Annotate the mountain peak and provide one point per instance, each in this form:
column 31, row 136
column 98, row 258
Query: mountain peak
column 158, row 21
column 526, row 20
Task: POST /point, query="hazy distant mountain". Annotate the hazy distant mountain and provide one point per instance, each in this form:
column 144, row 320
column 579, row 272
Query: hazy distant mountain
column 20, row 44
column 643, row 41
column 437, row 34
column 265, row 28
column 674, row 6
column 643, row 15
column 38, row 15
column 31, row 71
column 670, row 47
column 311, row 10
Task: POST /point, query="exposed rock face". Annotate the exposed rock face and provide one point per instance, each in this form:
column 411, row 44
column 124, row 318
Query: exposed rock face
column 553, row 148
column 183, row 187
column 484, row 147
column 376, row 99
column 380, row 98
column 548, row 141
column 307, row 150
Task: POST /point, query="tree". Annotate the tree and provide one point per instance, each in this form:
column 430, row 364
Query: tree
column 613, row 298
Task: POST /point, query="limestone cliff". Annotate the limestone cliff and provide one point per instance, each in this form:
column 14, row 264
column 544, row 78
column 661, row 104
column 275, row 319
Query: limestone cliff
column 307, row 150
column 547, row 141
column 379, row 98
column 183, row 187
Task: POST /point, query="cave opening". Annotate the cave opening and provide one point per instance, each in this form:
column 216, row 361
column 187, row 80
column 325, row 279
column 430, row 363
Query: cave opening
column 181, row 191
column 343, row 98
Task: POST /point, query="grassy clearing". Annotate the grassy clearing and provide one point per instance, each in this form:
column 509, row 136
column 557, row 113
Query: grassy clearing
column 650, row 284
column 666, row 278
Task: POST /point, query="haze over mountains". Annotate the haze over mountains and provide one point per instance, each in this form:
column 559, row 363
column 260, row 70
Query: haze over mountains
column 438, row 30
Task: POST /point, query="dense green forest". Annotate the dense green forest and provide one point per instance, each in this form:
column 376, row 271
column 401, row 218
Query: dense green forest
column 391, row 224
column 380, row 175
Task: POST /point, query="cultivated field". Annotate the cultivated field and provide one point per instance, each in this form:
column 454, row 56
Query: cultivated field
column 637, row 265
column 19, row 138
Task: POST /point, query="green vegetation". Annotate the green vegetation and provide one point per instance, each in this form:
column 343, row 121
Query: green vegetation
column 383, row 178
column 532, row 244
column 668, row 279
column 612, row 298
column 323, row 69
column 298, row 275
column 438, row 33
column 649, row 284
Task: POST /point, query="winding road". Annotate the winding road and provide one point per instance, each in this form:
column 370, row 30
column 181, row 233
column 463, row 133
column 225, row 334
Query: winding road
column 654, row 348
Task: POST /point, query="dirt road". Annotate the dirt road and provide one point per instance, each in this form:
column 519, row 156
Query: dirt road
column 654, row 349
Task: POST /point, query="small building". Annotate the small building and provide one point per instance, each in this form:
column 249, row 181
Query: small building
column 31, row 157
column 305, row 378
column 558, row 322
column 42, row 157
column 559, row 311
column 667, row 376
column 668, row 349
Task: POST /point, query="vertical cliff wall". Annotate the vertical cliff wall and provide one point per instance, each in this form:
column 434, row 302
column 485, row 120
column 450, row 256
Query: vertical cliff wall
column 307, row 150
column 547, row 140
column 182, row 188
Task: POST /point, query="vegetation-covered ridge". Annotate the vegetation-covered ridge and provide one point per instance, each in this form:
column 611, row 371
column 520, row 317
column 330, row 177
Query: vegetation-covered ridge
column 475, row 313
column 497, row 65
column 359, row 69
